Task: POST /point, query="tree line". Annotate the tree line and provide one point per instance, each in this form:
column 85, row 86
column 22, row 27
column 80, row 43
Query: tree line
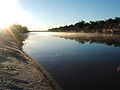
column 103, row 26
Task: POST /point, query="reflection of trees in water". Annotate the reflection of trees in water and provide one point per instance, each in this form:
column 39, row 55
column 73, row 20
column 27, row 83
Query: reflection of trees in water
column 24, row 36
column 103, row 39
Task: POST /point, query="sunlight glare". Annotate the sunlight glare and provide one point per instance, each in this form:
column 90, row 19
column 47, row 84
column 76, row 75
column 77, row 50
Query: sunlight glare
column 44, row 34
column 11, row 12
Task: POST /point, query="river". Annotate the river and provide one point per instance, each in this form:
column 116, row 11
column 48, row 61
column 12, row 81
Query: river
column 77, row 61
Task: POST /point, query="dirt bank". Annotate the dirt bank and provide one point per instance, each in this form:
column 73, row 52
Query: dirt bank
column 20, row 72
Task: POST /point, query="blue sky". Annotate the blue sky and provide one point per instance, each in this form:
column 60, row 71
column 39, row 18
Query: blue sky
column 54, row 13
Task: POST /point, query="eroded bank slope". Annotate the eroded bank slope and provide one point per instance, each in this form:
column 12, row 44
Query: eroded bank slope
column 18, row 71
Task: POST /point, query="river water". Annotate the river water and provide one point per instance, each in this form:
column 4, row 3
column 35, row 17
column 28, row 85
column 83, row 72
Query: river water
column 77, row 61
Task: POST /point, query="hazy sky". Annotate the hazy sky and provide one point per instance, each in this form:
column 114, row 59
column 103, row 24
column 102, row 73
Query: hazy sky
column 45, row 14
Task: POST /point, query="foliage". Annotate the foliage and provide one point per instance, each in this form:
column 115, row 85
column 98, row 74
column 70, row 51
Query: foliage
column 106, row 26
column 16, row 30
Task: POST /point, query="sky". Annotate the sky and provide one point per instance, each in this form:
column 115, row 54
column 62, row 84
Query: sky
column 45, row 14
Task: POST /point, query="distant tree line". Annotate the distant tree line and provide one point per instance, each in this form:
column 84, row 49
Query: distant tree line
column 108, row 26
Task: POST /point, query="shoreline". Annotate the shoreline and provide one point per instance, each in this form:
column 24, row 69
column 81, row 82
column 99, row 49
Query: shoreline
column 19, row 71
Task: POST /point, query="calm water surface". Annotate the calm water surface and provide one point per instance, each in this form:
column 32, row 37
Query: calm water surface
column 78, row 61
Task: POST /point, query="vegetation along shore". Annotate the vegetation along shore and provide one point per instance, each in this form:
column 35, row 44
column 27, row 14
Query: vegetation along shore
column 102, row 26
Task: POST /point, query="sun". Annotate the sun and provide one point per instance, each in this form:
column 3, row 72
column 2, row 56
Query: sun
column 6, row 12
column 11, row 12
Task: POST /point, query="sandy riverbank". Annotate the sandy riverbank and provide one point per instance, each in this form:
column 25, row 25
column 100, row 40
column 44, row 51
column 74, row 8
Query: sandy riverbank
column 20, row 72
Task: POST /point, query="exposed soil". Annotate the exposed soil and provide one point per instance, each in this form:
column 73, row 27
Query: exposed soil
column 20, row 72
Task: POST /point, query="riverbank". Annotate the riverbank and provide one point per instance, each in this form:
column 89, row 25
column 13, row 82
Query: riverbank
column 103, row 26
column 18, row 71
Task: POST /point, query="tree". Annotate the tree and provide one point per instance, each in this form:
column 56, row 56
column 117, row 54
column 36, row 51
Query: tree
column 15, row 31
column 16, row 28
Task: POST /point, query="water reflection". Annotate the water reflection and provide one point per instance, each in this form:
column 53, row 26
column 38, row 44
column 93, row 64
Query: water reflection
column 108, row 39
column 78, row 61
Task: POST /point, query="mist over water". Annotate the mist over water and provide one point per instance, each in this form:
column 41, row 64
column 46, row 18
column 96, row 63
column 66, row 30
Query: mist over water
column 77, row 61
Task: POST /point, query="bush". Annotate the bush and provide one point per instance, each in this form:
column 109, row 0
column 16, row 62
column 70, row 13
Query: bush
column 18, row 28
